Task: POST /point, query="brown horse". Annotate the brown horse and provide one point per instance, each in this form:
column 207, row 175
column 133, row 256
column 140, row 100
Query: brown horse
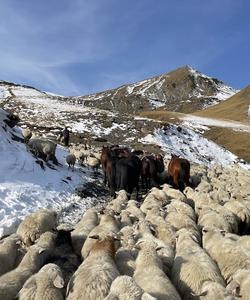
column 179, row 172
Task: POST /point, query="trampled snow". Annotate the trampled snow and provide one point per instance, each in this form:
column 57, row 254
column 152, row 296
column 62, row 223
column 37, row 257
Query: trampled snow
column 189, row 144
column 26, row 187
column 237, row 126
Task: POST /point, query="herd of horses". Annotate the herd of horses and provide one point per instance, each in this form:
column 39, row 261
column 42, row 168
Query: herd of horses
column 124, row 168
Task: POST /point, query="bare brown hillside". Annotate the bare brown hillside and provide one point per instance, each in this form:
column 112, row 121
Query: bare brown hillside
column 235, row 108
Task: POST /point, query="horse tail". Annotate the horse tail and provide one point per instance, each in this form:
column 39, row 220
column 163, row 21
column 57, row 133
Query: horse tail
column 111, row 175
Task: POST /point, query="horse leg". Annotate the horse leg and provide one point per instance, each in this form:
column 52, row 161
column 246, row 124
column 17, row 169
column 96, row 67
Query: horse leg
column 105, row 178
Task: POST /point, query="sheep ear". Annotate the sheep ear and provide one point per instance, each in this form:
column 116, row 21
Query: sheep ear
column 204, row 229
column 223, row 232
column 41, row 250
column 96, row 237
column 234, row 288
column 203, row 294
column 159, row 248
column 200, row 295
column 152, row 228
column 137, row 245
column 58, row 282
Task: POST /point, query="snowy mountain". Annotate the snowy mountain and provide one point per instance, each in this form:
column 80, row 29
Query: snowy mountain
column 183, row 90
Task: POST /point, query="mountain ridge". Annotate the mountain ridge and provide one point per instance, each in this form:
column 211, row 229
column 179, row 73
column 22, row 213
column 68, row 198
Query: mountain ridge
column 183, row 90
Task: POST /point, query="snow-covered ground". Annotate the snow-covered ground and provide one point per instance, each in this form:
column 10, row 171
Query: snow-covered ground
column 26, row 187
column 190, row 144
column 195, row 120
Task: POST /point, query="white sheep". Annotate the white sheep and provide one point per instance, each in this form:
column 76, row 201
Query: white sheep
column 226, row 252
column 27, row 134
column 179, row 221
column 182, row 208
column 127, row 237
column 133, row 209
column 147, row 296
column 9, row 248
column 79, row 154
column 71, row 160
column 213, row 290
column 160, row 195
column 192, row 266
column 210, row 217
column 44, row 148
column 173, row 193
column 240, row 284
column 240, row 210
column 93, row 278
column 149, row 274
column 93, row 162
column 12, row 282
column 35, row 224
column 88, row 222
column 46, row 284
column 119, row 202
column 125, row 288
column 149, row 202
column 108, row 225
column 154, row 212
column 164, row 230
column 125, row 218
column 125, row 261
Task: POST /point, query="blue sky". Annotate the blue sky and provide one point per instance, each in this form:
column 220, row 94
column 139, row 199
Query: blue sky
column 74, row 47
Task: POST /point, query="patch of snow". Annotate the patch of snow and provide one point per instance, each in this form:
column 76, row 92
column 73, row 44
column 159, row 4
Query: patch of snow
column 130, row 89
column 25, row 186
column 223, row 91
column 237, row 126
column 156, row 103
column 98, row 130
column 4, row 93
column 191, row 145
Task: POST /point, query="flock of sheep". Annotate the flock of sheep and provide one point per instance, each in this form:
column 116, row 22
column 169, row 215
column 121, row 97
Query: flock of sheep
column 46, row 149
column 171, row 246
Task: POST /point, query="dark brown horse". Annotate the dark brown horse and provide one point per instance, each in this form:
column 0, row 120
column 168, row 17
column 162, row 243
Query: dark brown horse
column 179, row 172
column 108, row 158
column 151, row 166
column 104, row 160
column 121, row 169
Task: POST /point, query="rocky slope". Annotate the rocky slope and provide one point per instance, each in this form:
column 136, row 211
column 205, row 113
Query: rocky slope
column 183, row 90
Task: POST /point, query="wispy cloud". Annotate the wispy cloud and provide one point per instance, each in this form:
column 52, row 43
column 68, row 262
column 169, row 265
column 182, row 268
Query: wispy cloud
column 34, row 46
column 83, row 46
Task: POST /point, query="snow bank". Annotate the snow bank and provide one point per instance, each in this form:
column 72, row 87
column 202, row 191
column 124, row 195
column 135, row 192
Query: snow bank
column 189, row 144
column 26, row 187
column 237, row 126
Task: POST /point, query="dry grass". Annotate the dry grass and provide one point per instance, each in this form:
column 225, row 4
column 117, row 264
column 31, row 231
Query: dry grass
column 235, row 108
column 162, row 115
column 234, row 141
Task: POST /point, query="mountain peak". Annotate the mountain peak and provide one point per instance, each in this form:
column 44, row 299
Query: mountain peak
column 184, row 90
